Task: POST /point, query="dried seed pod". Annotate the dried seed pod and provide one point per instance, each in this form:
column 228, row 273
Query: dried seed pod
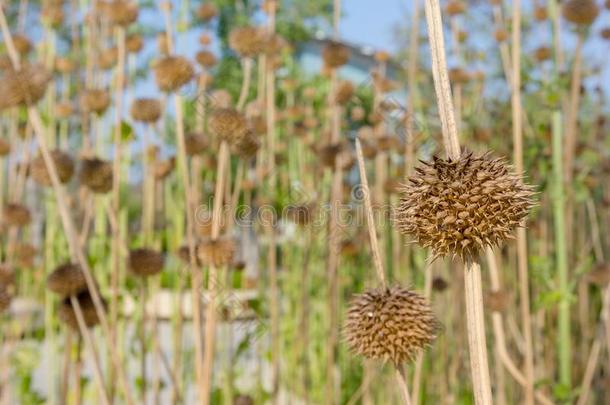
column 243, row 400
column 66, row 313
column 439, row 284
column 64, row 65
column 605, row 33
column 23, row 87
column 119, row 12
column 455, row 7
column 349, row 248
column 195, row 143
column 335, row 54
column 392, row 186
column 96, row 175
column 107, row 58
column 458, row 207
column 205, row 39
column 16, row 215
column 599, row 275
column 25, row 254
column 95, row 101
column 343, row 92
column 275, row 45
column 501, row 35
column 5, row 147
column 246, row 146
column 497, row 301
column 145, row 262
column 164, row 168
column 5, row 299
column 22, row 44
column 206, row 58
column 134, row 43
column 173, row 72
column 206, row 11
column 7, row 276
column 458, row 76
column 64, row 165
column 146, row 110
column 582, row 12
column 216, row 252
column 357, row 113
column 543, row 53
column 67, row 279
column 228, row 124
column 300, row 214
column 248, row 41
column 184, row 255
column 63, row 110
column 540, row 13
column 390, row 324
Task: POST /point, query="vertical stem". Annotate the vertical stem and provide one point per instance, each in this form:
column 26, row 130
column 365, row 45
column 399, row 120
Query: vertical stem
column 402, row 385
column 563, row 318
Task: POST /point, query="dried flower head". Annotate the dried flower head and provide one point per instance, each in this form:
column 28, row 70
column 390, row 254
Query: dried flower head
column 164, row 168
column 300, row 214
column 458, row 76
column 195, row 143
column 439, row 284
column 599, row 275
column 501, row 34
column 458, row 207
column 96, row 175
column 119, row 12
column 173, row 72
column 335, row 54
column 63, row 110
column 497, row 301
column 390, row 324
column 64, row 65
column 67, row 279
column 134, row 43
column 108, row 58
column 5, row 147
column 206, row 12
column 64, row 165
column 228, row 124
column 7, row 276
column 540, row 13
column 16, row 215
column 605, row 33
column 206, row 58
column 25, row 254
column 145, row 262
column 66, row 313
column 146, row 110
column 455, row 7
column 582, row 12
column 543, row 53
column 5, row 299
column 246, row 146
column 248, row 41
column 216, row 252
column 23, row 87
column 22, row 44
column 95, row 101
column 343, row 92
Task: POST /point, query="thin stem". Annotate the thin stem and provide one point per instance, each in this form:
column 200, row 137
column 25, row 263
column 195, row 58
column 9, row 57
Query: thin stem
column 402, row 385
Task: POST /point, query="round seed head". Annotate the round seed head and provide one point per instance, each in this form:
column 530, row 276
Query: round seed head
column 543, row 53
column 22, row 44
column 458, row 76
column 145, row 262
column 246, row 146
column 497, row 301
column 195, row 143
column 455, row 7
column 389, row 324
column 5, row 299
column 134, row 43
column 248, row 41
column 64, row 65
column 501, row 35
column 7, row 277
column 67, row 315
column 107, row 59
column 95, row 101
column 146, row 110
column 173, row 72
column 582, row 12
column 300, row 214
column 605, row 33
column 64, row 165
column 164, row 168
column 206, row 58
column 439, row 284
column 23, row 87
column 25, row 254
column 458, row 207
column 335, row 54
column 206, row 12
column 5, row 147
column 599, row 275
column 228, row 124
column 344, row 92
column 63, row 110
column 16, row 215
column 216, row 252
column 540, row 13
column 67, row 279
column 96, row 175
column 119, row 12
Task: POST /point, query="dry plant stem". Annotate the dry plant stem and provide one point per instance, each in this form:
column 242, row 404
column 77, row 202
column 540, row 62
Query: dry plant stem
column 65, row 383
column 247, row 72
column 75, row 251
column 402, row 384
column 143, row 298
column 572, row 113
column 97, row 370
column 419, row 362
column 78, row 368
column 524, row 298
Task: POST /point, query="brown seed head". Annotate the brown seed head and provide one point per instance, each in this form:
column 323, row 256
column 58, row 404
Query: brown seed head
column 216, row 252
column 439, row 284
column 16, row 215
column 228, row 124
column 23, row 87
column 599, row 275
column 5, row 299
column 343, row 92
column 95, row 101
column 389, row 324
column 146, row 110
column 501, row 35
column 458, row 207
column 145, row 262
column 300, row 214
column 540, row 13
column 206, row 58
column 164, row 168
column 64, row 109
column 605, row 33
column 64, row 65
column 248, row 41
column 206, row 12
column 455, row 7
column 67, row 279
column 458, row 76
column 246, row 146
column 497, row 301
column 335, row 54
column 582, row 12
column 96, row 175
column 5, row 147
column 134, row 43
column 173, row 72
column 543, row 53
column 195, row 143
column 107, row 58
column 64, row 165
column 22, row 44
column 7, row 276
column 119, row 12
column 66, row 313
column 25, row 254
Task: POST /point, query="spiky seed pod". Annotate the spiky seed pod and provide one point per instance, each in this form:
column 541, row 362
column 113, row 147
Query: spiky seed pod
column 67, row 279
column 66, row 313
column 216, row 252
column 134, row 43
column 497, row 301
column 501, row 35
column 540, row 13
column 458, row 76
column 145, row 262
column 5, row 299
column 173, row 72
column 455, row 7
column 543, row 53
column 23, row 87
column 206, row 58
column 599, row 275
column 389, row 324
column 300, row 214
column 220, row 98
column 22, row 44
column 335, row 54
column 183, row 254
column 96, row 175
column 343, row 92
column 146, row 110
column 248, row 41
column 164, row 168
column 243, row 400
column 64, row 65
column 119, row 12
column 581, row 12
column 63, row 110
column 439, row 284
column 247, row 146
column 458, row 207
column 206, row 12
column 64, row 165
column 205, row 39
column 228, row 124
column 195, row 143
column 5, row 147
column 16, row 215
column 95, row 101
column 107, row 58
